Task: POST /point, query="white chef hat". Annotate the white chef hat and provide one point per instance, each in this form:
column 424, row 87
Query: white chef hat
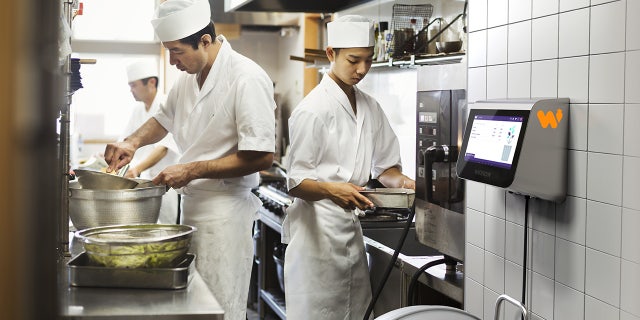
column 177, row 19
column 141, row 70
column 350, row 31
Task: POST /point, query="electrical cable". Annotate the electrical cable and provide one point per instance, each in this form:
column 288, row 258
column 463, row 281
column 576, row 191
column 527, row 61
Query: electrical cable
column 416, row 275
column 524, row 259
column 391, row 263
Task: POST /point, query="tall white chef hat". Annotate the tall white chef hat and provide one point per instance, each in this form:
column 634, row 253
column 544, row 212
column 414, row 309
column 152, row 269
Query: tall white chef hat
column 141, row 70
column 177, row 19
column 350, row 31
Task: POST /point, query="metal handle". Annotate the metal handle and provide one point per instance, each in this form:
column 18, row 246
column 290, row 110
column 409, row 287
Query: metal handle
column 513, row 301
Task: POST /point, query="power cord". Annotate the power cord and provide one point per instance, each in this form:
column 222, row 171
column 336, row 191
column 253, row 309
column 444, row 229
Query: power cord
column 416, row 275
column 524, row 259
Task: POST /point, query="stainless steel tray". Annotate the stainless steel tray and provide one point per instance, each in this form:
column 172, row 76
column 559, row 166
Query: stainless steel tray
column 83, row 274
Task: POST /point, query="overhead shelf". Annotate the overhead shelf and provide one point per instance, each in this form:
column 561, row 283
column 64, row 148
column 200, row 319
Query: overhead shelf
column 315, row 60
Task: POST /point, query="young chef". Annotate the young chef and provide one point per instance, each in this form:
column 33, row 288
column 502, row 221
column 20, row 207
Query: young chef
column 149, row 160
column 339, row 136
column 221, row 114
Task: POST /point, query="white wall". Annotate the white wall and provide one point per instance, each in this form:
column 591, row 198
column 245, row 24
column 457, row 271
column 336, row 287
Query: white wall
column 584, row 254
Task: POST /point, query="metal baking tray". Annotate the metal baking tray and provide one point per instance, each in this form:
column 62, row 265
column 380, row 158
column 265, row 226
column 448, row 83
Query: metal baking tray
column 83, row 274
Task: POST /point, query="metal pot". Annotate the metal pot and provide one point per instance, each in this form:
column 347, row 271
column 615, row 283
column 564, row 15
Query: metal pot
column 94, row 208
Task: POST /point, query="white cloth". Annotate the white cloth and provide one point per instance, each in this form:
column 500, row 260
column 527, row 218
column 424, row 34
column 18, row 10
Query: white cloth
column 326, row 274
column 141, row 70
column 140, row 115
column 233, row 111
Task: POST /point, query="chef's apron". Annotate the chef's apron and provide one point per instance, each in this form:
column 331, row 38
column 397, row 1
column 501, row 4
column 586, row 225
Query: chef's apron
column 223, row 244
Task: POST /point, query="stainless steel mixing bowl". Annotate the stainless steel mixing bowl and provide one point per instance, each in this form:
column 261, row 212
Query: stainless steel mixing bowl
column 94, row 208
column 97, row 180
column 136, row 246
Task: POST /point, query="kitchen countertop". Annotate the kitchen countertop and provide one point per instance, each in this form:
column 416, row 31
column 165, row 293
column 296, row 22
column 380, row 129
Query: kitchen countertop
column 193, row 302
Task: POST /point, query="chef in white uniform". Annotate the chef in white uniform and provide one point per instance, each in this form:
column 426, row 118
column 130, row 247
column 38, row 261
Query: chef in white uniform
column 339, row 137
column 221, row 114
column 149, row 160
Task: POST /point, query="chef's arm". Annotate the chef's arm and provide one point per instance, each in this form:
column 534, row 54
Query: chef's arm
column 238, row 164
column 120, row 153
column 393, row 178
column 154, row 157
column 346, row 195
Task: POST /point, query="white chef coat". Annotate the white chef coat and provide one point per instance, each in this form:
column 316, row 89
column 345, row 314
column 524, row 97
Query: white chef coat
column 140, row 115
column 233, row 111
column 326, row 274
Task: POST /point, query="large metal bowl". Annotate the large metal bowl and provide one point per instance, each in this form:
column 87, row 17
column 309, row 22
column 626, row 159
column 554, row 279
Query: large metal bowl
column 392, row 198
column 97, row 180
column 136, row 246
column 94, row 208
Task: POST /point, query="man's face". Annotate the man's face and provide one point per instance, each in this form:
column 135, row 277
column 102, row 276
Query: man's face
column 350, row 65
column 185, row 58
column 139, row 90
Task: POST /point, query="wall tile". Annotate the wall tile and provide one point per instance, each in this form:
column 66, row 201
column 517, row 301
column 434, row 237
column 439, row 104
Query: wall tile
column 606, row 78
column 512, row 288
column 599, row 2
column 477, row 15
column 474, row 263
column 573, row 79
column 477, row 84
column 493, row 272
column 477, row 48
column 606, row 128
column 569, row 264
column 544, row 38
column 495, row 201
column 498, row 13
column 578, row 120
column 604, row 180
column 519, row 42
column 602, row 280
column 631, row 130
column 545, row 7
column 628, row 316
column 544, row 78
column 497, row 82
column 475, row 227
column 633, row 25
column 543, row 253
column 494, row 235
column 568, row 303
column 542, row 296
column 515, row 208
column 473, row 297
column 632, row 77
column 475, row 195
column 631, row 183
column 604, row 226
column 542, row 215
column 514, row 243
column 607, row 27
column 519, row 10
column 577, row 177
column 630, row 288
column 497, row 45
column 571, row 220
column 630, row 235
column 490, row 298
column 566, row 5
column 573, row 35
column 595, row 309
column 519, row 80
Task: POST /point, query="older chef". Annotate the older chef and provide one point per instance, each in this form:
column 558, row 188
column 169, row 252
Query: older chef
column 149, row 160
column 339, row 138
column 221, row 114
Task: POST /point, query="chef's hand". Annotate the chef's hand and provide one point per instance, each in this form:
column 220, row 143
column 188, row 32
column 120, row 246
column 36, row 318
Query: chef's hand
column 132, row 173
column 118, row 154
column 408, row 183
column 175, row 176
column 348, row 196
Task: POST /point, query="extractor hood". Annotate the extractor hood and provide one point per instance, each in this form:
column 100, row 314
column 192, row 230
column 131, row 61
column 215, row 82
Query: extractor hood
column 309, row 6
column 252, row 19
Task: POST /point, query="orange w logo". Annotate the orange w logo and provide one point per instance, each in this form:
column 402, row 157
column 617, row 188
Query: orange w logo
column 549, row 118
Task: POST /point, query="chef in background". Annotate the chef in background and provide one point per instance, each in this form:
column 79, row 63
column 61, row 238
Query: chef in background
column 149, row 160
column 339, row 137
column 221, row 114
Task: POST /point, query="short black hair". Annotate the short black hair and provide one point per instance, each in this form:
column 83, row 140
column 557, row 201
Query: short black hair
column 145, row 80
column 194, row 39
